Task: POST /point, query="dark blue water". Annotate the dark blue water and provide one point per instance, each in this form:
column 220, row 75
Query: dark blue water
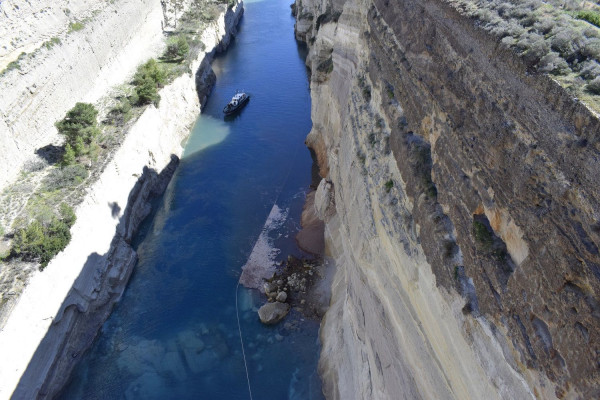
column 174, row 334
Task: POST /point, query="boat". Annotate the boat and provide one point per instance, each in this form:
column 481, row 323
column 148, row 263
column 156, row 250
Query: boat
column 237, row 101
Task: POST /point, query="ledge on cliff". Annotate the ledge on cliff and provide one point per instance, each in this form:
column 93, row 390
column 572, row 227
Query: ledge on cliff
column 96, row 290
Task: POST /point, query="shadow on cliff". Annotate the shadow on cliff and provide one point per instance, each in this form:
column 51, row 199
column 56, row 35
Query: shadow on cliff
column 96, row 290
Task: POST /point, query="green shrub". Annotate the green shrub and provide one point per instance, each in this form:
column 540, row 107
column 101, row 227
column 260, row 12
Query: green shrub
column 177, row 48
column 591, row 48
column 566, row 42
column 68, row 176
column 68, row 156
column 42, row 241
column 554, row 64
column 593, row 17
column 594, row 86
column 148, row 78
column 121, row 113
column 80, row 128
column 150, row 70
column 389, row 185
column 67, row 214
column 50, row 43
column 75, row 26
column 326, row 66
column 589, row 70
column 16, row 64
column 482, row 235
column 147, row 92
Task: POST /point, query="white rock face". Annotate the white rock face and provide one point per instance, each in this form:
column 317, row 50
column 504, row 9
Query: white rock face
column 158, row 134
column 390, row 332
column 116, row 37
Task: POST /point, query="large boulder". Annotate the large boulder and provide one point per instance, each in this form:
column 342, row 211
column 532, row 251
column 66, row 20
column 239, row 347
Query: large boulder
column 272, row 313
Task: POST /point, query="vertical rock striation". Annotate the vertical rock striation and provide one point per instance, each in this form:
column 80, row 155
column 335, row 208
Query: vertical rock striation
column 461, row 209
column 61, row 310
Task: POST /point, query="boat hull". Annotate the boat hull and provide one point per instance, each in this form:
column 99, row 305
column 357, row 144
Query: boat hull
column 233, row 109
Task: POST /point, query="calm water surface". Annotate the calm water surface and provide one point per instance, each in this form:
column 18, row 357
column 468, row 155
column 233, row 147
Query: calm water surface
column 174, row 334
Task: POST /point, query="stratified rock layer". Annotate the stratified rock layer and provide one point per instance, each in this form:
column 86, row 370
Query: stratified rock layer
column 465, row 222
column 62, row 308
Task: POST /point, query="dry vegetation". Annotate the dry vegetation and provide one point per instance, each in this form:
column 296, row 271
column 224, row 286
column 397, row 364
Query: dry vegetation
column 561, row 38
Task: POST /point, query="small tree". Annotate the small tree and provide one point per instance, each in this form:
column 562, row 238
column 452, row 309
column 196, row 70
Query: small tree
column 147, row 79
column 177, row 49
column 79, row 127
column 68, row 156
column 147, row 92
column 150, row 70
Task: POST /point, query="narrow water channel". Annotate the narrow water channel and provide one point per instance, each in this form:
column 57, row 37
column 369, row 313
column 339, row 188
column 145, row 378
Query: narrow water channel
column 174, row 335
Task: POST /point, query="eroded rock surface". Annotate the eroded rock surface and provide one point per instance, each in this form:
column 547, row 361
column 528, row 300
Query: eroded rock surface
column 464, row 209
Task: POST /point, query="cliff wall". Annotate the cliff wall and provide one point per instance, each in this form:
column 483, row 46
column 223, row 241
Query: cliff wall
column 460, row 208
column 113, row 38
column 59, row 313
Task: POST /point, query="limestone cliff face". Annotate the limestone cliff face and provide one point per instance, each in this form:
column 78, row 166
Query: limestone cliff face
column 114, row 38
column 62, row 308
column 462, row 209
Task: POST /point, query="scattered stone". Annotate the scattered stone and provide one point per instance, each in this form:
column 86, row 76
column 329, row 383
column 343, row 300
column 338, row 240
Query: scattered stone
column 302, row 301
column 281, row 297
column 278, row 337
column 269, row 287
column 272, row 313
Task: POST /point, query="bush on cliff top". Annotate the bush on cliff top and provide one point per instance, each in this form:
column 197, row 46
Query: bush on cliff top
column 177, row 49
column 41, row 241
column 80, row 129
column 148, row 78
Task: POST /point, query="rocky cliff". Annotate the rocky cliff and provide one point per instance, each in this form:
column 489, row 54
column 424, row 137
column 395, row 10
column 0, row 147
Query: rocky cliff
column 460, row 205
column 62, row 308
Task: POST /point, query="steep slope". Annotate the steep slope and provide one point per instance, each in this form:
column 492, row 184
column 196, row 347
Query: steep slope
column 60, row 46
column 460, row 207
column 62, row 308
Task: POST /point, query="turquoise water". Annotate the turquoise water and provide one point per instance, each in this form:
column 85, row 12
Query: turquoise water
column 174, row 334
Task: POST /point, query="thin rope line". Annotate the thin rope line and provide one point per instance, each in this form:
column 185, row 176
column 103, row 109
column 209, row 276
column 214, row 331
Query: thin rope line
column 237, row 314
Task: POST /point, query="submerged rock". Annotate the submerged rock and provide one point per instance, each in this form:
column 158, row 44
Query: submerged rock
column 272, row 313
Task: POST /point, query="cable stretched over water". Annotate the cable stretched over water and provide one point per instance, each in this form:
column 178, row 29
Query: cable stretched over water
column 237, row 314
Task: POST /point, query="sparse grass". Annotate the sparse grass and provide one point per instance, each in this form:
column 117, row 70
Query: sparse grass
column 16, row 64
column 121, row 113
column 65, row 177
column 50, row 43
column 76, row 26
